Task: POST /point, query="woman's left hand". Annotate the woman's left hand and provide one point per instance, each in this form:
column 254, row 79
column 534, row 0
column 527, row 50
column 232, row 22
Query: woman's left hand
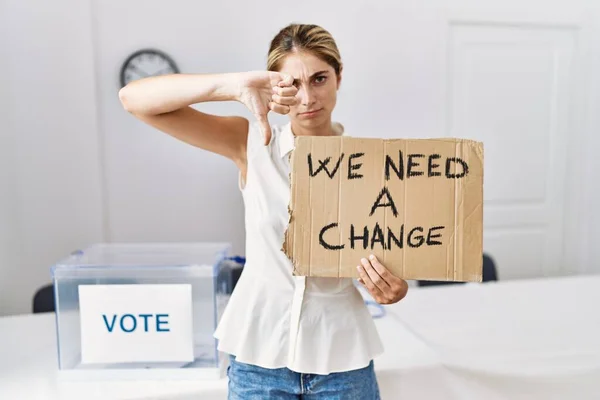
column 380, row 282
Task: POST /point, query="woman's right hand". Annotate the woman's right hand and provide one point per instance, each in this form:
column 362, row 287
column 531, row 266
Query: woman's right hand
column 264, row 91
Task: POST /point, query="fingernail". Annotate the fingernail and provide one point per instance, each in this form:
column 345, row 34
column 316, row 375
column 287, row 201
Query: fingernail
column 274, row 89
column 363, row 260
column 372, row 257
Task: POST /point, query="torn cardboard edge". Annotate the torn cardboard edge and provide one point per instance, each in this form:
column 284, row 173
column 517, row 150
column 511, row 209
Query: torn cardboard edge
column 453, row 148
column 287, row 246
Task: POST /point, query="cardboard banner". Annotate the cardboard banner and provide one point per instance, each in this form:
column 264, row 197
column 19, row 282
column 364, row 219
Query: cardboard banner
column 416, row 204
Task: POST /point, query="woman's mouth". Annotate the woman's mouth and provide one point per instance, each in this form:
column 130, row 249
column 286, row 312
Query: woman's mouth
column 310, row 113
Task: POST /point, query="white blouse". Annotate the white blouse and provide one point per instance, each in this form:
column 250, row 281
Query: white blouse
column 274, row 319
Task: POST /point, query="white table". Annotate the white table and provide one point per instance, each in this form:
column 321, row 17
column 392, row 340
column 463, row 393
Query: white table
column 530, row 339
column 535, row 339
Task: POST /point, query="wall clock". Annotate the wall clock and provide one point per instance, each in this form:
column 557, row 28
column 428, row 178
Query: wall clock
column 144, row 63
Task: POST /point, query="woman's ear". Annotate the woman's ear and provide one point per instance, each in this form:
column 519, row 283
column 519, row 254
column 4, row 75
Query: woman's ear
column 339, row 77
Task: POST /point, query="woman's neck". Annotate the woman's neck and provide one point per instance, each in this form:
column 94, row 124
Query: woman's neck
column 325, row 129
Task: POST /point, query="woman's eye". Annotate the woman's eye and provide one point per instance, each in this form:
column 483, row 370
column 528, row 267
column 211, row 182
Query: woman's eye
column 320, row 79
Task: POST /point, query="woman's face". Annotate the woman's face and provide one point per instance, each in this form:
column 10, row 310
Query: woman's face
column 317, row 85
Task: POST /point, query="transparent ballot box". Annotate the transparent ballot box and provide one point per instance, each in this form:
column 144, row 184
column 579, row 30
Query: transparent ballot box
column 141, row 311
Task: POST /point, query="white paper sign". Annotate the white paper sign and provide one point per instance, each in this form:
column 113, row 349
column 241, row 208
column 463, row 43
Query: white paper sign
column 136, row 323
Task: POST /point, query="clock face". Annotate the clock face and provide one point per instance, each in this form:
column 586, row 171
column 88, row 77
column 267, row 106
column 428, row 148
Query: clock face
column 145, row 63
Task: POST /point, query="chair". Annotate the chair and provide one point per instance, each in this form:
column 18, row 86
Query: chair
column 488, row 271
column 43, row 300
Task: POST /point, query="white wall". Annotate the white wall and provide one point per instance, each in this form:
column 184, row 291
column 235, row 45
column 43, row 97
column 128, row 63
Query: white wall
column 158, row 188
column 52, row 194
column 8, row 223
column 76, row 169
column 591, row 210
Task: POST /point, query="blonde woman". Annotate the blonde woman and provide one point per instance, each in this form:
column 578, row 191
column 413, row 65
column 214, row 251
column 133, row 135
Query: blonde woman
column 288, row 337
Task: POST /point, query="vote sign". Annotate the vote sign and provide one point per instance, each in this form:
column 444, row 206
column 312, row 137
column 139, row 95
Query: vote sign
column 136, row 323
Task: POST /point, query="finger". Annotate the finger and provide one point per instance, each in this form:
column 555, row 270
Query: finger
column 397, row 285
column 285, row 91
column 374, row 276
column 278, row 108
column 285, row 100
column 374, row 290
column 383, row 272
column 287, row 80
column 265, row 128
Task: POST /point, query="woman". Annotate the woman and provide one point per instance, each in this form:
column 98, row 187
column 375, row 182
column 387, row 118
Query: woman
column 287, row 336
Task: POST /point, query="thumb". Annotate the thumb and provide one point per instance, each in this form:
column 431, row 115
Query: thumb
column 286, row 80
column 265, row 128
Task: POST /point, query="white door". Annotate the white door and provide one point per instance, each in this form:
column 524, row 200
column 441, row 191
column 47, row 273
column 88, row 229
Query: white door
column 510, row 86
column 512, row 74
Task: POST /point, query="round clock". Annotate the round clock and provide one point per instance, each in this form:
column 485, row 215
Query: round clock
column 145, row 63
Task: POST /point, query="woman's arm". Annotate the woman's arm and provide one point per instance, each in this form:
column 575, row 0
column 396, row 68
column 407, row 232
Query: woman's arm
column 164, row 103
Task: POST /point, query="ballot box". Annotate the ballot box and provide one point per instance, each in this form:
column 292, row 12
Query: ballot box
column 140, row 311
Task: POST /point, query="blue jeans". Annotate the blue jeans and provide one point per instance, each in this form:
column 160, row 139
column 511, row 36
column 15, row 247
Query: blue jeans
column 249, row 382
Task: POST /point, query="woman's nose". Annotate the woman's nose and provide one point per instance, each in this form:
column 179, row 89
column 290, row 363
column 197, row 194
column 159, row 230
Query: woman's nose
column 306, row 95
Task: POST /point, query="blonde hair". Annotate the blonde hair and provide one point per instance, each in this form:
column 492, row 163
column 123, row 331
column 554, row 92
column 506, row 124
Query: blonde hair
column 310, row 38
